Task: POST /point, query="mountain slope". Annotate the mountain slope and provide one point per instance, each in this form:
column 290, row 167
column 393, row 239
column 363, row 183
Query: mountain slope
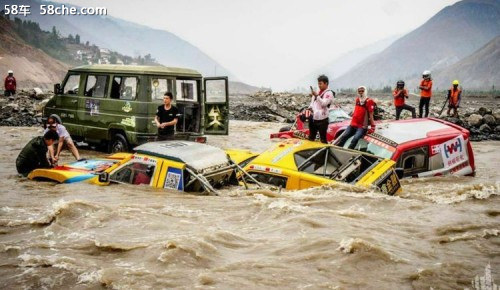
column 452, row 34
column 342, row 64
column 31, row 66
column 479, row 70
column 127, row 38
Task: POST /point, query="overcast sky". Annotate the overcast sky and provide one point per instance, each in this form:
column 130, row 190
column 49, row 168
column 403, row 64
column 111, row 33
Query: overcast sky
column 273, row 42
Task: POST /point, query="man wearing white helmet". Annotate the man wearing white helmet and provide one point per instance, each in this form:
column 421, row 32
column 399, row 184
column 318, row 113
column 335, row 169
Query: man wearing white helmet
column 10, row 84
column 425, row 94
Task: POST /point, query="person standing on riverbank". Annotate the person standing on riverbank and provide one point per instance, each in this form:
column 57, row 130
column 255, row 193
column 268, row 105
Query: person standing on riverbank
column 400, row 94
column 425, row 94
column 320, row 102
column 10, row 84
column 454, row 97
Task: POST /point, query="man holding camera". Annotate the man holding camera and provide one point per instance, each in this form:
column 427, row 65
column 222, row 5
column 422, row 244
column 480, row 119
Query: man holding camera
column 400, row 94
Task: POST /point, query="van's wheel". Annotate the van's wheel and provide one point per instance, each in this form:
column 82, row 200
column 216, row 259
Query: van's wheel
column 285, row 129
column 117, row 144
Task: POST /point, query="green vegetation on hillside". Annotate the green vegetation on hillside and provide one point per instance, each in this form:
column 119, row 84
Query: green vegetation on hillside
column 49, row 42
column 71, row 49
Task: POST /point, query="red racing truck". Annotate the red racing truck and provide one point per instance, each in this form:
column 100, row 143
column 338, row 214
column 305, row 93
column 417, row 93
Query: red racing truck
column 420, row 147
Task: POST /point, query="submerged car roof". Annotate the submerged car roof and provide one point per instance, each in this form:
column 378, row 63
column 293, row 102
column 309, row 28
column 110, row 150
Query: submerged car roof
column 279, row 154
column 196, row 155
column 137, row 69
column 403, row 131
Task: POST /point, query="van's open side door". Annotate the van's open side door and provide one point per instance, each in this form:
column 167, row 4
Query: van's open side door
column 216, row 96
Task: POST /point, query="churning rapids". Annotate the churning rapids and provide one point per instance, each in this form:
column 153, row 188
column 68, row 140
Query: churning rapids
column 440, row 233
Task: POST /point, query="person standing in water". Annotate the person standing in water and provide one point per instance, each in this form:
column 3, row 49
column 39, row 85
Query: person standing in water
column 34, row 154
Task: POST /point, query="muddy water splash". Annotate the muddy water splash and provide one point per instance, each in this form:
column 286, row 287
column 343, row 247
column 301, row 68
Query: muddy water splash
column 440, row 233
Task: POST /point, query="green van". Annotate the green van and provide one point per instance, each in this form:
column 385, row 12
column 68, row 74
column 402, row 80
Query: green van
column 115, row 105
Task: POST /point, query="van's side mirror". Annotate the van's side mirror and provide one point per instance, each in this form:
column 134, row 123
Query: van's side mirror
column 57, row 89
column 400, row 172
column 103, row 177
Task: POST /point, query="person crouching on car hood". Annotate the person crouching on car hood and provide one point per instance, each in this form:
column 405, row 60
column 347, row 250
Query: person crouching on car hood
column 320, row 102
column 361, row 117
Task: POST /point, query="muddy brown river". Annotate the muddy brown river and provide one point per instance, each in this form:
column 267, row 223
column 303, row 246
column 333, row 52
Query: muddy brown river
column 440, row 233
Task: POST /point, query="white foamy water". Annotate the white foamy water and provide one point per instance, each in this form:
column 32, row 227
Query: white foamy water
column 440, row 233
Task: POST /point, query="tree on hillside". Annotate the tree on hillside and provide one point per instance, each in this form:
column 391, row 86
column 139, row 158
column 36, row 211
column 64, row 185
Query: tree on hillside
column 77, row 39
column 113, row 59
column 71, row 39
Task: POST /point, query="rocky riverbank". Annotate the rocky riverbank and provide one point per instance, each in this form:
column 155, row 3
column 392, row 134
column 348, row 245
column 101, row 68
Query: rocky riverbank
column 483, row 124
column 23, row 109
column 479, row 114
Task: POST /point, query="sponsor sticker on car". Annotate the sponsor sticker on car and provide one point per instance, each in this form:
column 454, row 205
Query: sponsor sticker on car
column 389, row 183
column 454, row 152
column 174, row 179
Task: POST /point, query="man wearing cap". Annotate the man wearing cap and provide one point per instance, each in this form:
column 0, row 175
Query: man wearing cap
column 454, row 96
column 10, row 84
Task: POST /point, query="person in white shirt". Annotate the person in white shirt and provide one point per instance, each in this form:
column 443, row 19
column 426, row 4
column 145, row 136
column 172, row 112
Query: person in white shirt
column 54, row 123
column 320, row 103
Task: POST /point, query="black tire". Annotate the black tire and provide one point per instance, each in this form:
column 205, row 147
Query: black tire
column 285, row 129
column 118, row 143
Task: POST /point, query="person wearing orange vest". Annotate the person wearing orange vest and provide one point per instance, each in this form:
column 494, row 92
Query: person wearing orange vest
column 425, row 94
column 454, row 96
column 400, row 94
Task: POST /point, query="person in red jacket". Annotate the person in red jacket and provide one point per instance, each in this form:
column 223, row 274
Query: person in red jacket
column 10, row 84
column 454, row 96
column 400, row 94
column 425, row 94
column 361, row 118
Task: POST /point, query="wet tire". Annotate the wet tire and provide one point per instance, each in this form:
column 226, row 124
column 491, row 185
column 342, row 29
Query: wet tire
column 118, row 144
column 285, row 129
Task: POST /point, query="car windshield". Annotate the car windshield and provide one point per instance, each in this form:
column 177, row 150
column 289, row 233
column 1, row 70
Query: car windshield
column 370, row 147
column 337, row 115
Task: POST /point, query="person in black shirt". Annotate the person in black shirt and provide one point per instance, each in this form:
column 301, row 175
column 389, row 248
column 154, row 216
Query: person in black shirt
column 166, row 118
column 34, row 154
